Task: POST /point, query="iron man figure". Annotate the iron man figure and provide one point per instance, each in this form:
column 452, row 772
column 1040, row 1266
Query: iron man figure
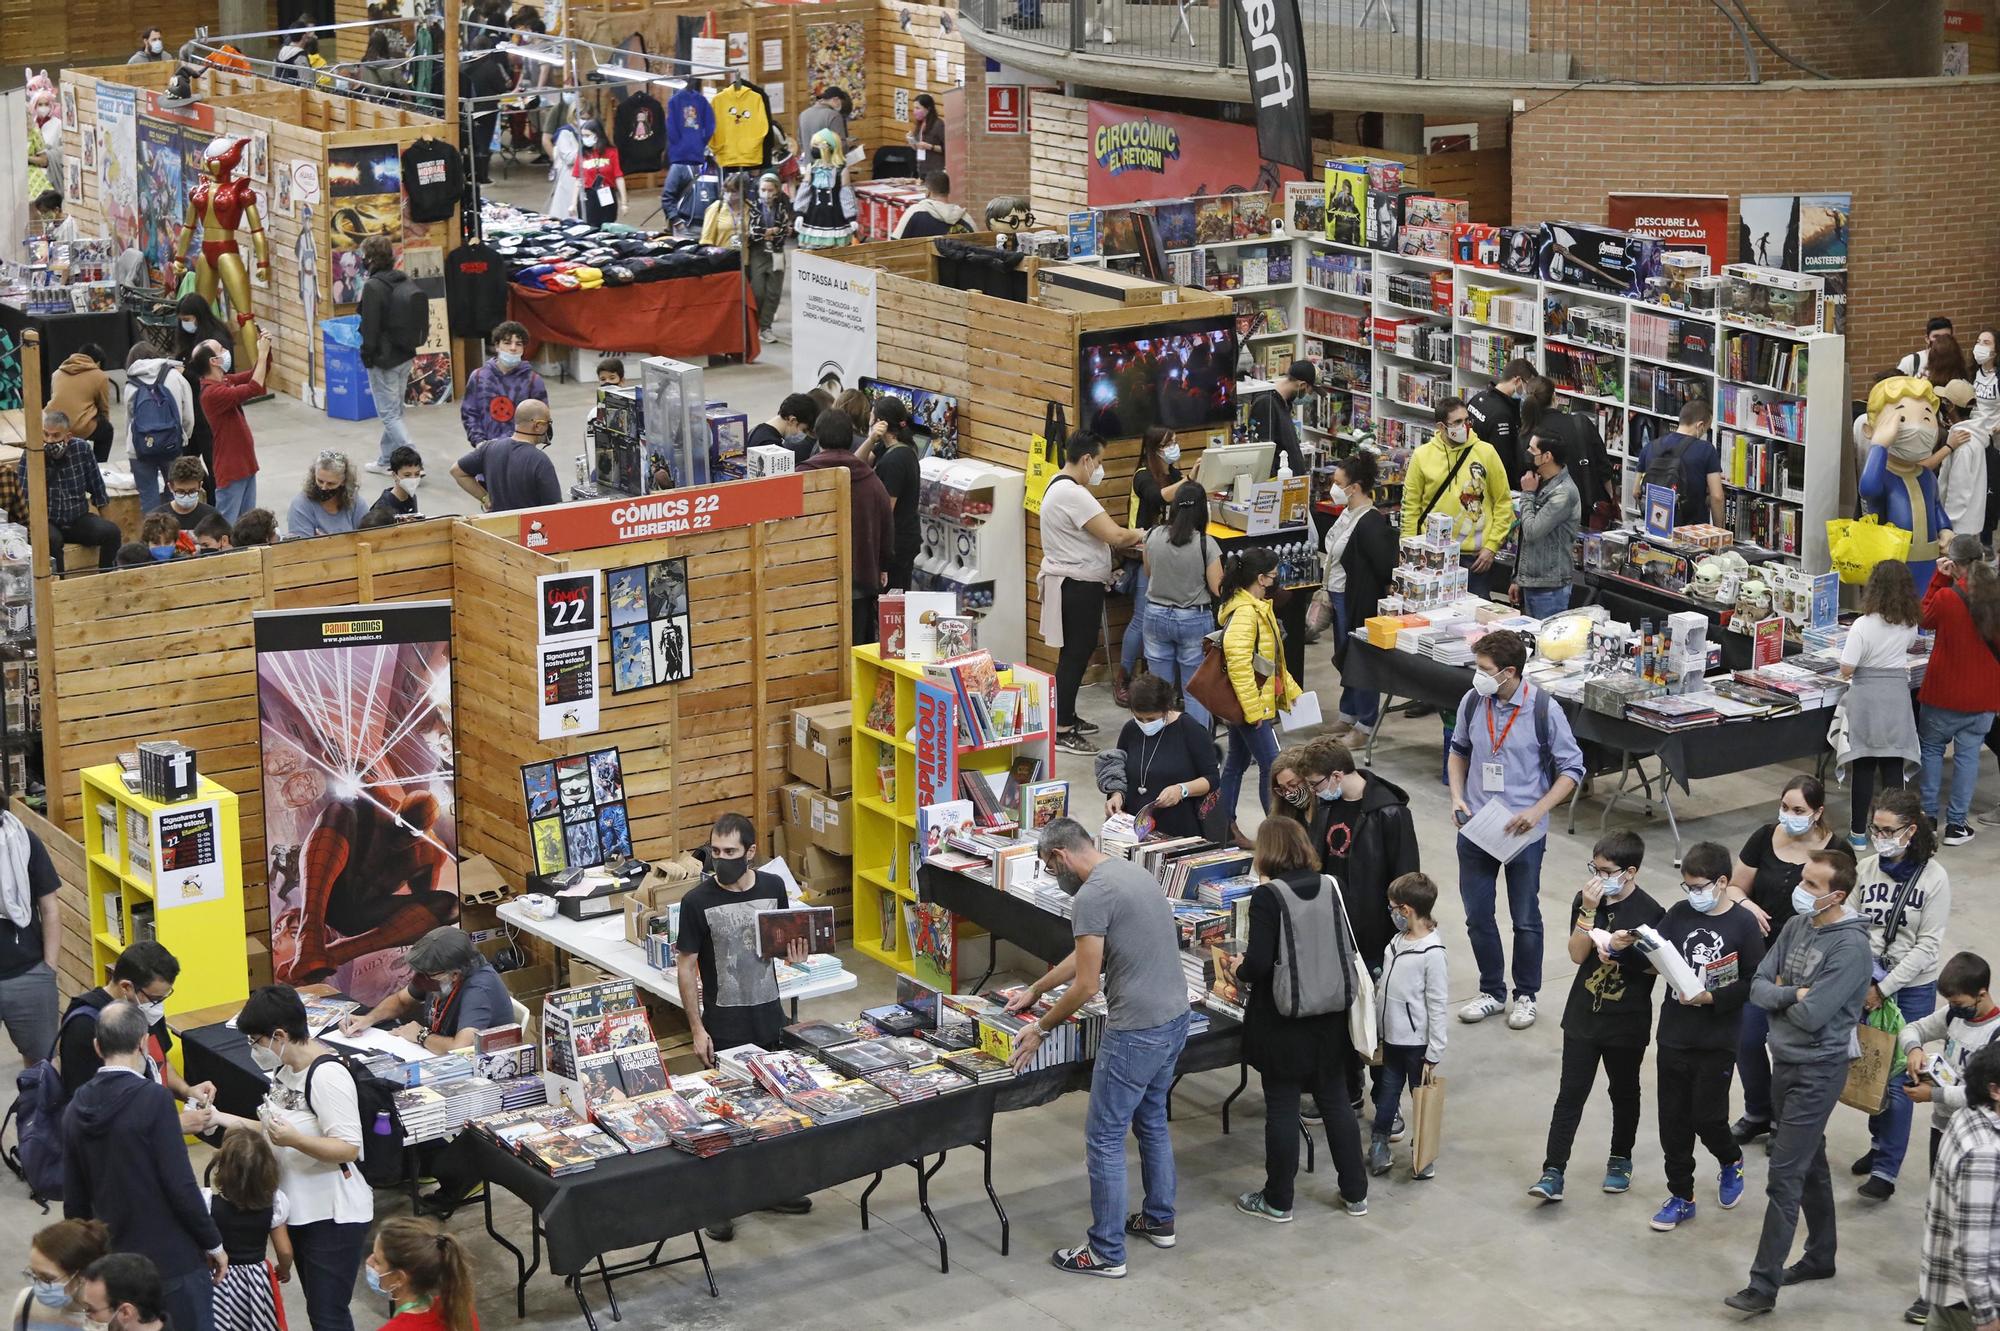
column 216, row 207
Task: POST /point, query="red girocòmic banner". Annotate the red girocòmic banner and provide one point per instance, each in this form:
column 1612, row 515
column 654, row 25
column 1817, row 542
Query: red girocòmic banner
column 1138, row 155
column 687, row 512
column 1680, row 221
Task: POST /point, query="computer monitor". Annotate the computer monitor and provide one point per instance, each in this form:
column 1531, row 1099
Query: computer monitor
column 1221, row 464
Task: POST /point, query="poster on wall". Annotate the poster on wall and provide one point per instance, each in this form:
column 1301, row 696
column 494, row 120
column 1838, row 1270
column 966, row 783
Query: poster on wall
column 187, row 855
column 1679, row 221
column 1767, row 230
column 835, row 58
column 568, row 674
column 160, row 195
column 430, row 371
column 833, row 314
column 118, row 163
column 1137, row 155
column 567, row 605
column 354, row 708
column 364, row 186
column 576, row 810
column 651, row 641
column 1803, row 233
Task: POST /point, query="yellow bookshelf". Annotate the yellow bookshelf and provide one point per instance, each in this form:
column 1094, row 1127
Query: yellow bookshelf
column 885, row 826
column 196, row 900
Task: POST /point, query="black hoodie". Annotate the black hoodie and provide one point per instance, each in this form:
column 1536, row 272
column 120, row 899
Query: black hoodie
column 1382, row 848
column 124, row 1163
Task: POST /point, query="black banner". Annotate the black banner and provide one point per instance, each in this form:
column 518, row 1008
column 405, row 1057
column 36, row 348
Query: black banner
column 1274, row 45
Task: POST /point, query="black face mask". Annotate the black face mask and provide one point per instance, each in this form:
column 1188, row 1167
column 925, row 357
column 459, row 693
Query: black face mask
column 1069, row 882
column 327, row 495
column 728, row 868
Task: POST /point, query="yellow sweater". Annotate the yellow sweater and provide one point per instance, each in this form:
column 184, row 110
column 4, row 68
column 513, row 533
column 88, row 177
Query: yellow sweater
column 1478, row 498
column 1253, row 645
column 718, row 226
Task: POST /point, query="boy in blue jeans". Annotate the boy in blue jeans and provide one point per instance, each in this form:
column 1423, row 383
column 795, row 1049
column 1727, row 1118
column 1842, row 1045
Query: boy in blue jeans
column 1411, row 1011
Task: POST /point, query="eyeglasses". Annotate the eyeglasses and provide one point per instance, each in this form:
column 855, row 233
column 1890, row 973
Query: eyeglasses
column 1895, row 830
column 1592, row 866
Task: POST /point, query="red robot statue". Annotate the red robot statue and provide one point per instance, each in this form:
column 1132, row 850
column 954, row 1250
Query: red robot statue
column 217, row 206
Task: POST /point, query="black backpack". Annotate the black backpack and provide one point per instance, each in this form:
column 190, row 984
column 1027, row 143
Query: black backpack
column 1664, row 467
column 407, row 317
column 375, row 1099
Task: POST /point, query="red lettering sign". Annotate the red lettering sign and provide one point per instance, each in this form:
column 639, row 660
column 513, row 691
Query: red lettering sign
column 1003, row 108
column 688, row 512
column 1963, row 20
column 937, row 746
column 1679, row 221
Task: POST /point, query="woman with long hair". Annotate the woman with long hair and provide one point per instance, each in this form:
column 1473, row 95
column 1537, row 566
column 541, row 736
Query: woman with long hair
column 926, row 134
column 1947, row 361
column 1767, row 869
column 328, row 501
column 1182, row 573
column 1962, row 683
column 891, row 448
column 1154, row 486
column 1882, row 744
column 1986, row 381
column 1253, row 649
column 423, row 1271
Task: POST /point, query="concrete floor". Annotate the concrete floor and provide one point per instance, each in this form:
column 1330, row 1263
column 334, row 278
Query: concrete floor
column 1467, row 1249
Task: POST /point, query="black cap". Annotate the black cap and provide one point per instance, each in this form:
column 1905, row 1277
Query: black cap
column 1305, row 372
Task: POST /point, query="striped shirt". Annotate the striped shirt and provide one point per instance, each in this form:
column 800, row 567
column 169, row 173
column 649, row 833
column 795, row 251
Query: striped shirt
column 1961, row 1261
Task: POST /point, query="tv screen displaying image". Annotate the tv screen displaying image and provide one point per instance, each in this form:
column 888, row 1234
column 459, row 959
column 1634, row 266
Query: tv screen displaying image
column 933, row 416
column 1180, row 375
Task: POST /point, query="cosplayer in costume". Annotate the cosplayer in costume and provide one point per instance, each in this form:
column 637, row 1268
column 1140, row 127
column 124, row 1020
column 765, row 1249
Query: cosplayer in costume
column 1895, row 485
column 216, row 207
column 825, row 201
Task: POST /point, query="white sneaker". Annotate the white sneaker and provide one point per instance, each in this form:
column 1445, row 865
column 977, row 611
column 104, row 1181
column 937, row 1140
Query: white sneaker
column 1111, row 39
column 1090, row 29
column 1523, row 1015
column 1480, row 1008
column 379, row 468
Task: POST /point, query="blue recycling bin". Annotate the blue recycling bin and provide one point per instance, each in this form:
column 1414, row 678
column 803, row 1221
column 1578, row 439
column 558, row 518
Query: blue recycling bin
column 347, row 395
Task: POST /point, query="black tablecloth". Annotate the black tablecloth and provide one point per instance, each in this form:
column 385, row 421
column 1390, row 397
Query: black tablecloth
column 65, row 333
column 1040, row 933
column 1404, row 675
column 643, row 1199
column 220, row 1054
column 1632, row 601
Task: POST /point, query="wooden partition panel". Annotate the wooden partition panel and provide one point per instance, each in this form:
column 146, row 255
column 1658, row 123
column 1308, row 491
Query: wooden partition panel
column 74, row 970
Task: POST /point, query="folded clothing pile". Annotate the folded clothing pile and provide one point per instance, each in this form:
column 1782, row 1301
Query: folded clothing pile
column 549, row 254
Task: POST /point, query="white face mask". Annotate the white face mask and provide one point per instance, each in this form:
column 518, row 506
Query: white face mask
column 156, row 46
column 1982, row 354
column 266, row 1058
column 1455, row 433
column 589, row 140
column 1485, row 685
column 1097, row 476
column 184, row 503
column 225, row 360
column 409, row 485
column 1170, row 454
column 155, row 1013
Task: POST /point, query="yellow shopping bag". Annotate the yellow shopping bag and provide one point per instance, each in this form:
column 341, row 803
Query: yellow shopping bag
column 1045, row 455
column 1856, row 547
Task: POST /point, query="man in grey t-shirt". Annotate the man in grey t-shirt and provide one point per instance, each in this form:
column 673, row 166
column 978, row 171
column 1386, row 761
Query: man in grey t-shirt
column 1126, row 943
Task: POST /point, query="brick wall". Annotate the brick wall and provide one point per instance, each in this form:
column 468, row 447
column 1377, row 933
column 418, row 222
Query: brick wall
column 1690, row 40
column 1919, row 245
column 990, row 165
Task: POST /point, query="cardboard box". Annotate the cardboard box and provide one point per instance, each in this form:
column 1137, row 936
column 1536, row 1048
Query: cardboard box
column 1081, row 287
column 524, row 981
column 821, row 737
column 814, row 819
column 582, row 973
column 825, row 877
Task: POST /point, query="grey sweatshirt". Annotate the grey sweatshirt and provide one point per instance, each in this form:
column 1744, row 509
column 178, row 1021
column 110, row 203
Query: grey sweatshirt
column 1962, row 1039
column 1916, row 954
column 1835, row 963
column 1411, row 999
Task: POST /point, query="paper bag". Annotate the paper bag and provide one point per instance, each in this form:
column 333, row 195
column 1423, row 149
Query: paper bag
column 1868, row 1076
column 1426, row 1121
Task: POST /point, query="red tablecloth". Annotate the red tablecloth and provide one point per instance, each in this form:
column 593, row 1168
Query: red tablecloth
column 682, row 317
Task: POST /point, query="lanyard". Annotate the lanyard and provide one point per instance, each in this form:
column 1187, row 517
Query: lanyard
column 1520, row 705
column 444, row 1000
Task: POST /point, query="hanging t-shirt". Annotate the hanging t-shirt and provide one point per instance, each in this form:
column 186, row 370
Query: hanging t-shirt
column 639, row 131
column 475, row 287
column 433, row 180
column 741, row 124
column 690, row 125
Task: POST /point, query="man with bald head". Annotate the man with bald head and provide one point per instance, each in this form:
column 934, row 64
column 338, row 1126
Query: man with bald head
column 506, row 474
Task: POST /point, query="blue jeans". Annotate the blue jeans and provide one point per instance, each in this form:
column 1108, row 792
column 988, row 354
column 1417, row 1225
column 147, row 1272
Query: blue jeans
column 1889, row 1131
column 1128, row 1090
column 387, row 386
column 1361, row 706
column 1476, row 582
column 149, row 475
column 1753, row 1063
column 1478, row 879
column 1245, row 742
column 329, row 1259
column 1402, row 1066
column 189, row 1300
column 1541, row 602
column 677, row 193
column 237, row 498
column 1173, row 648
column 1135, row 632
column 1964, row 732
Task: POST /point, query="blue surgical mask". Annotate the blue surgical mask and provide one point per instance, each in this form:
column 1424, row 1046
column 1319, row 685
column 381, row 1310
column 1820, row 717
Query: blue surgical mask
column 1803, row 900
column 1329, row 792
column 1611, row 885
column 52, row 1293
column 226, row 360
column 1702, row 898
column 1152, row 727
column 1795, row 824
column 1170, row 454
column 507, row 360
column 374, row 1280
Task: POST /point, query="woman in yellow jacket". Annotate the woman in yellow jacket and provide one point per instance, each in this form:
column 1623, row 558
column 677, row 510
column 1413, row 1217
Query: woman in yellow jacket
column 1253, row 648
column 1455, row 472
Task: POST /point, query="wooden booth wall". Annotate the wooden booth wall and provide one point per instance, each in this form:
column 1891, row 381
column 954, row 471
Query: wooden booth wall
column 1005, row 362
column 769, row 608
column 74, row 967
column 39, row 32
column 166, row 653
column 303, row 125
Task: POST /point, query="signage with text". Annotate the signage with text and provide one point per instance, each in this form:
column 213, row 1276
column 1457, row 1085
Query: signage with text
column 688, row 512
column 1003, row 108
column 1678, row 221
column 937, row 746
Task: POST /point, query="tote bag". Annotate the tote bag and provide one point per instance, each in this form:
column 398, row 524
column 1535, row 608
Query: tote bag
column 1045, row 456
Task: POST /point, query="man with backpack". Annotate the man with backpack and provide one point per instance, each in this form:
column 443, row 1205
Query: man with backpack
column 395, row 321
column 124, row 1163
column 1686, row 462
column 1529, row 769
column 30, row 940
column 159, row 417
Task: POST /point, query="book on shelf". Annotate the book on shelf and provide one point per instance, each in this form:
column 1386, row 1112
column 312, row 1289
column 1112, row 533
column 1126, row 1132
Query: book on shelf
column 1771, row 362
column 921, row 613
column 1042, row 802
column 881, row 716
column 986, row 807
column 778, row 927
column 936, row 822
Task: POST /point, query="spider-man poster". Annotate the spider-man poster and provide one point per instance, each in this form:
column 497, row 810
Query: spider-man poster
column 360, row 815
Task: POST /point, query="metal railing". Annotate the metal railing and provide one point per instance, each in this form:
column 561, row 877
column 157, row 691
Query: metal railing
column 1398, row 39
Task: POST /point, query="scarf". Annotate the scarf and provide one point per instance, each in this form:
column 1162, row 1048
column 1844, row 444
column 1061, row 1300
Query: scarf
column 15, row 900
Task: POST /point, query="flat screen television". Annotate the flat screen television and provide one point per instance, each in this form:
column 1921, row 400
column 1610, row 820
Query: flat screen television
column 933, row 416
column 1180, row 375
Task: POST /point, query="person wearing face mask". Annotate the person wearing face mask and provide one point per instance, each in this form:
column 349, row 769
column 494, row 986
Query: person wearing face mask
column 159, row 420
column 184, row 501
column 406, row 470
column 1551, row 518
column 312, row 1118
column 1530, row 769
column 1414, row 988
column 1128, row 949
column 1685, row 461
column 1882, row 743
column 1154, row 485
column 1722, row 944
column 1496, row 413
column 791, row 425
column 143, row 975
column 891, row 448
column 122, row 1292
column 223, row 394
column 771, row 220
column 1609, row 1016
column 1079, row 541
column 328, row 501
column 1366, row 840
column 1360, row 563
column 872, row 537
column 1961, row 689
column 600, row 179
column 1253, row 653
column 1183, row 573
column 1767, row 869
column 1812, row 981
column 1272, row 417
column 722, row 224
column 453, row 994
column 124, row 1163
column 1904, row 895
column 926, row 134
column 1165, row 762
column 58, row 1255
column 499, row 387
column 1456, row 472
column 513, row 473
column 1294, row 777
column 425, row 1275
column 152, row 49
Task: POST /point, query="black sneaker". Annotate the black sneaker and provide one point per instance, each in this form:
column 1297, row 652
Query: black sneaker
column 797, row 1206
column 1861, row 1167
column 1159, row 1233
column 1747, row 1300
column 1918, row 1313
column 1877, row 1188
column 1747, row 1129
column 1798, row 1273
column 1958, row 834
column 1071, row 741
column 723, row 1232
column 1084, row 726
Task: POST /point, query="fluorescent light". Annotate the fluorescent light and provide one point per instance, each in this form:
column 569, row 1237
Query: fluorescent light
column 536, row 54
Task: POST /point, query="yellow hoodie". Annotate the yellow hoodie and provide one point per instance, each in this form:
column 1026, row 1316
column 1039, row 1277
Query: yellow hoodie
column 1252, row 645
column 1478, row 498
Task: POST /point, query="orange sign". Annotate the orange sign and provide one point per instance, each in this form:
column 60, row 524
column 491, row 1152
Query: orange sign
column 688, row 512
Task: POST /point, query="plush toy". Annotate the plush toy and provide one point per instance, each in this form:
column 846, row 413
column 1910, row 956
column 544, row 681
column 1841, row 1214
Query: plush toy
column 1895, row 484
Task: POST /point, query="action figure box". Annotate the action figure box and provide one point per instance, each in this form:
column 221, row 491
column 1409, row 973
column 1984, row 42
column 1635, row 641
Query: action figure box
column 1597, row 258
column 1252, row 217
column 1215, row 219
column 1386, row 211
column 1519, row 250
column 1476, row 244
column 1305, row 208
